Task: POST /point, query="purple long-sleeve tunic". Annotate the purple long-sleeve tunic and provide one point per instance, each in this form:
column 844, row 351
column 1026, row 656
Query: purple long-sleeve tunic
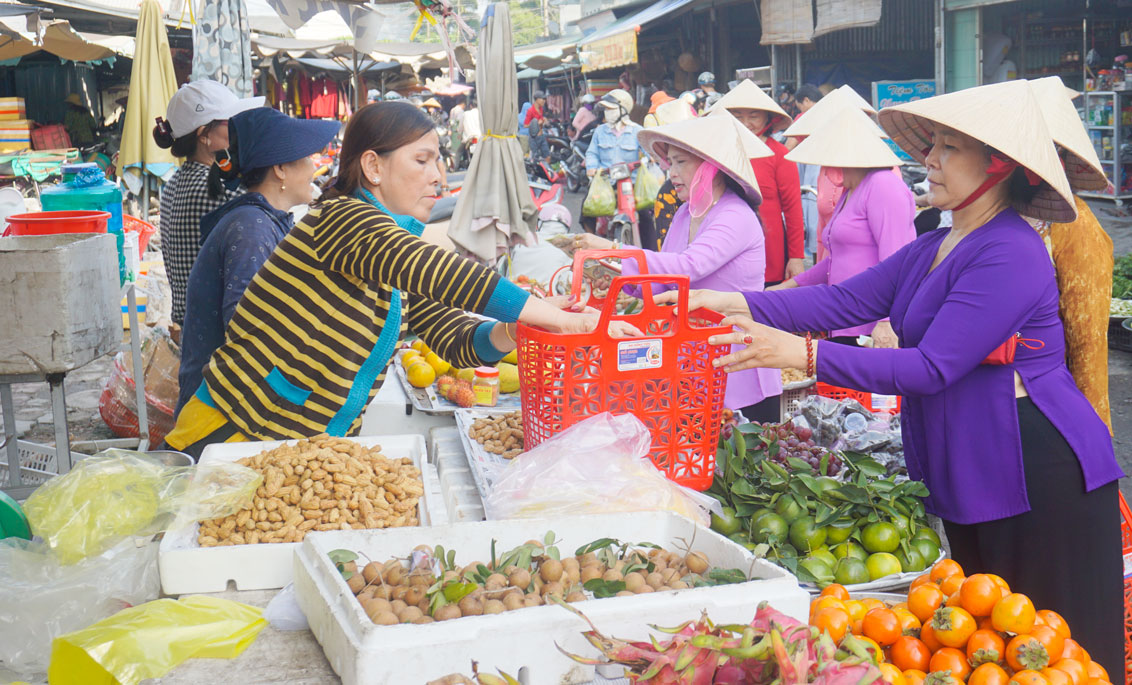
column 727, row 254
column 868, row 226
column 959, row 417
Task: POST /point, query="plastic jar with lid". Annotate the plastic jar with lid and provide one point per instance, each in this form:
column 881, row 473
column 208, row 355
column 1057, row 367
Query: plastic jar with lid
column 486, row 386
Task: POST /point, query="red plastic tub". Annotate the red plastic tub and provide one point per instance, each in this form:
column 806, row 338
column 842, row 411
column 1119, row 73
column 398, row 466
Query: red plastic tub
column 53, row 223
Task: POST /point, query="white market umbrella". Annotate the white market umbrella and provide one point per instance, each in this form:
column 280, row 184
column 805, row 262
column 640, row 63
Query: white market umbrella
column 495, row 208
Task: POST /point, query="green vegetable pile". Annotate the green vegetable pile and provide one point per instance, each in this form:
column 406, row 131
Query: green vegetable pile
column 853, row 529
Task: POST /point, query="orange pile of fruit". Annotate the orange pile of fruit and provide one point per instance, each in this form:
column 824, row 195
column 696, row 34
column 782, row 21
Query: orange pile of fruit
column 953, row 628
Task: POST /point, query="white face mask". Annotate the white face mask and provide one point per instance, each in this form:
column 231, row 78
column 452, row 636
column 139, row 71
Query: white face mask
column 612, row 115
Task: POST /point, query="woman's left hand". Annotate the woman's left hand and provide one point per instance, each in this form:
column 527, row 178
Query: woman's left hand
column 884, row 336
column 589, row 241
column 766, row 347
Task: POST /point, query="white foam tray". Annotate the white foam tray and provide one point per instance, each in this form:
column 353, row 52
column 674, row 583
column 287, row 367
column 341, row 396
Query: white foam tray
column 186, row 567
column 364, row 653
column 483, row 464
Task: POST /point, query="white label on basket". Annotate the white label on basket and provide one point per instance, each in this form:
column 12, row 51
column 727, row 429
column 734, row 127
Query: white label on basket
column 1127, row 566
column 637, row 355
column 884, row 402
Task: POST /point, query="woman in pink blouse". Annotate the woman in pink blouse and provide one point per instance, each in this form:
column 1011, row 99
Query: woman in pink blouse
column 715, row 237
column 873, row 218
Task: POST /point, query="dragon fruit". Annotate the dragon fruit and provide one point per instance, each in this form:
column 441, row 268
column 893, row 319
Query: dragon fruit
column 774, row 648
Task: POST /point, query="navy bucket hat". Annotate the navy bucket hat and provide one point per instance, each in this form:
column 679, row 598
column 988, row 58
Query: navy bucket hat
column 266, row 137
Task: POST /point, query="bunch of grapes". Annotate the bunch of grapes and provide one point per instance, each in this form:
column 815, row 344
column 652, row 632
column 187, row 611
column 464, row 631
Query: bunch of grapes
column 796, row 441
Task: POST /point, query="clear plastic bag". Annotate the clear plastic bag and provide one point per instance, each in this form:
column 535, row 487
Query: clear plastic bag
column 43, row 599
column 846, row 426
column 283, row 611
column 148, row 641
column 647, row 186
column 119, row 494
column 597, row 466
column 600, row 200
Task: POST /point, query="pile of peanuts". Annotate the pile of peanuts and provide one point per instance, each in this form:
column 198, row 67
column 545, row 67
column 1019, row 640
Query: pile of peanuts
column 794, row 376
column 501, row 435
column 321, row 483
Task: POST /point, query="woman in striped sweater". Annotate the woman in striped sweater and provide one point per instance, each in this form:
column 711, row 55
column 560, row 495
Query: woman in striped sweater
column 307, row 347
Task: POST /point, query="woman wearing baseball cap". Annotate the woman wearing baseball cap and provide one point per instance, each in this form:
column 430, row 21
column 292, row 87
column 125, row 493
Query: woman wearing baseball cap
column 307, row 347
column 270, row 154
column 195, row 127
column 1019, row 466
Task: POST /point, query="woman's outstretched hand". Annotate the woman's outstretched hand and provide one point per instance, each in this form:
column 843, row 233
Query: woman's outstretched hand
column 728, row 304
column 765, row 347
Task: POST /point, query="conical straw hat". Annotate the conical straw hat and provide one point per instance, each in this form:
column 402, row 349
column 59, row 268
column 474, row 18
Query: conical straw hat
column 671, row 112
column 825, row 110
column 1004, row 116
column 718, row 138
column 856, row 99
column 747, row 95
column 850, row 141
column 1082, row 166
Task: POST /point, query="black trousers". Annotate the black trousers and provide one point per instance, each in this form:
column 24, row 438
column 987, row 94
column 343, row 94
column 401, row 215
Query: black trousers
column 1065, row 553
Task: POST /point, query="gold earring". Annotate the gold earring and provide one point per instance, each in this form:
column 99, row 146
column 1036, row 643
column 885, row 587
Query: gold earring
column 282, row 186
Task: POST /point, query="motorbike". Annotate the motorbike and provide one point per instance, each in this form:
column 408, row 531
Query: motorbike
column 573, row 158
column 624, row 225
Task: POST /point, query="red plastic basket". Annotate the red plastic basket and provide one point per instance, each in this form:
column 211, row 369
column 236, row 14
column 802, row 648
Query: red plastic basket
column 144, row 229
column 665, row 379
column 1126, row 544
column 874, row 402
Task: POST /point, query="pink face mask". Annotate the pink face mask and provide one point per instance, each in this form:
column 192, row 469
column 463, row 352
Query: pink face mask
column 836, row 175
column 702, row 190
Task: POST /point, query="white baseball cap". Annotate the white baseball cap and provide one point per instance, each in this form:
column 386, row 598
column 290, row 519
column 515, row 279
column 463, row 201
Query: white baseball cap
column 200, row 102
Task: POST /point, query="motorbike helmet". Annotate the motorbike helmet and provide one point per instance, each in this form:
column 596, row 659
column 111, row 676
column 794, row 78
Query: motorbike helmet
column 588, row 99
column 618, row 99
column 710, row 100
column 538, row 94
column 392, row 95
column 554, row 218
column 706, row 79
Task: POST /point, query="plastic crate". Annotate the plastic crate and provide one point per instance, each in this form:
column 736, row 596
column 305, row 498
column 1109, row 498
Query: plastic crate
column 144, row 229
column 50, row 137
column 874, row 402
column 37, row 463
column 1126, row 544
column 790, row 400
column 666, row 378
column 1119, row 337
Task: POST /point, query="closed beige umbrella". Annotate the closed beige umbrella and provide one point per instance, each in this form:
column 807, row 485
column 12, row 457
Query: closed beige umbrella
column 152, row 84
column 495, row 208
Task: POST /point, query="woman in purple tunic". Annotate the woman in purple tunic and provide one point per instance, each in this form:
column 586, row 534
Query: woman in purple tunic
column 714, row 237
column 1020, row 467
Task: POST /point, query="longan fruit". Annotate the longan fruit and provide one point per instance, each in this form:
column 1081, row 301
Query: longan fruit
column 386, row 619
column 447, row 612
column 634, row 582
column 512, row 601
column 550, row 570
column 410, row 614
column 493, row 606
column 355, row 583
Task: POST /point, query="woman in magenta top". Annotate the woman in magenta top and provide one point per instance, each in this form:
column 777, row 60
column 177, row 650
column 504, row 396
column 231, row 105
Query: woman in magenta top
column 715, row 237
column 1019, row 465
column 872, row 219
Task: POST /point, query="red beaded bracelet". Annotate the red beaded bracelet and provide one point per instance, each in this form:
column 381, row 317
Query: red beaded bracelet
column 810, row 370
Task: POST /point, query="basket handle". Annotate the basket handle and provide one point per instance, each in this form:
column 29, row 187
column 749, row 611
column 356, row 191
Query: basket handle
column 581, row 256
column 683, row 285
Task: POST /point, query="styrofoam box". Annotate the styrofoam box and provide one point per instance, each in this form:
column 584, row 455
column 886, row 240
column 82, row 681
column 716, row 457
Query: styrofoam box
column 186, row 567
column 362, row 652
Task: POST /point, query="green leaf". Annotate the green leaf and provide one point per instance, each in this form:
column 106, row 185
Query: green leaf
column 810, row 483
column 870, row 467
column 740, row 442
column 601, row 543
column 853, row 493
column 915, row 488
column 604, row 588
column 726, row 576
column 749, row 429
column 342, row 556
column 744, row 488
column 553, row 553
column 451, row 558
column 454, row 592
column 548, row 539
column 346, row 575
column 799, row 465
column 883, row 486
column 649, row 545
column 823, row 467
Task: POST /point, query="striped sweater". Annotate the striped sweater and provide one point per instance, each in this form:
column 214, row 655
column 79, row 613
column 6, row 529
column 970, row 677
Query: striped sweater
column 304, row 351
